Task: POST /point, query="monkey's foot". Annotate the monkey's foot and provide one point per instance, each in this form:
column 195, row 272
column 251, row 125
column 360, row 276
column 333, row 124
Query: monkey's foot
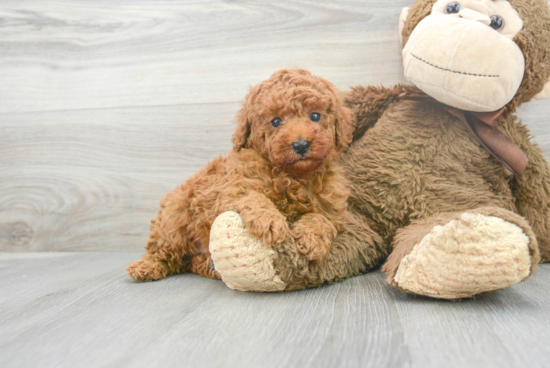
column 474, row 254
column 242, row 261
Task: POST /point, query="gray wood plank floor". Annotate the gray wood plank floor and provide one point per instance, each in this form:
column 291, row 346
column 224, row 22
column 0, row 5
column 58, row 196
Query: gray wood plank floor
column 81, row 310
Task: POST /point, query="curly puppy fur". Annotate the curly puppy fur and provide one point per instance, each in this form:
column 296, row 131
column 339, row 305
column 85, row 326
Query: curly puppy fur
column 278, row 191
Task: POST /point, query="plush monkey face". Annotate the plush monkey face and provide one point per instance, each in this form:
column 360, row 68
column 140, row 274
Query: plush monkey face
column 464, row 55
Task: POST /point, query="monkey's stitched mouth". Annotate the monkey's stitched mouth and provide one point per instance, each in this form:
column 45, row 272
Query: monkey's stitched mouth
column 455, row 71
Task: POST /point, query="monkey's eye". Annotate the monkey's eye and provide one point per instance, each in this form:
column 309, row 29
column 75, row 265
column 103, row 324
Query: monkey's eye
column 315, row 117
column 497, row 23
column 275, row 122
column 453, row 8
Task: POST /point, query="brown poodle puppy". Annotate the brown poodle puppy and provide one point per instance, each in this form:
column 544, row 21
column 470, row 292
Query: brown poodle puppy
column 281, row 177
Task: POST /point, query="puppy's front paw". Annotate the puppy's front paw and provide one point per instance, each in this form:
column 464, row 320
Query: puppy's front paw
column 270, row 228
column 147, row 270
column 313, row 244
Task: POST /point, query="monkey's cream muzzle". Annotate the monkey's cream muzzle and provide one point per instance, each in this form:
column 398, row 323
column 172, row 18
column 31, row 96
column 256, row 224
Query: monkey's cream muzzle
column 463, row 63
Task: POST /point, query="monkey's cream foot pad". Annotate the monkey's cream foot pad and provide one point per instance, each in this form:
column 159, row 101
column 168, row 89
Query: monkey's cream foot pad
column 466, row 257
column 243, row 262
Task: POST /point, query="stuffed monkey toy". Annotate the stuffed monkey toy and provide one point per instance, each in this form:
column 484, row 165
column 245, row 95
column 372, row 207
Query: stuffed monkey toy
column 447, row 187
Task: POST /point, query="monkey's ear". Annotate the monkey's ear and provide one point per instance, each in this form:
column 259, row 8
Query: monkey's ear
column 402, row 19
column 242, row 133
column 545, row 93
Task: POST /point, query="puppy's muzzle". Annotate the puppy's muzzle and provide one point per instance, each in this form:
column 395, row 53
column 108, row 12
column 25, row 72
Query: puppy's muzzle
column 301, row 147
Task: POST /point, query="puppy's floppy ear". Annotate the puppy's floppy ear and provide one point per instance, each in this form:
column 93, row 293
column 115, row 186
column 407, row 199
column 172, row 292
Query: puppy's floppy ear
column 344, row 129
column 242, row 133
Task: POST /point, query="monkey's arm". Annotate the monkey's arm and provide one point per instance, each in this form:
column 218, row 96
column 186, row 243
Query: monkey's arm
column 368, row 103
column 533, row 196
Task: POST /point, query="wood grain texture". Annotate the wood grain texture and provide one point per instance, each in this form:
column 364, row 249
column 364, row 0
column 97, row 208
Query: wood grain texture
column 82, row 310
column 93, row 179
column 107, row 105
column 59, row 55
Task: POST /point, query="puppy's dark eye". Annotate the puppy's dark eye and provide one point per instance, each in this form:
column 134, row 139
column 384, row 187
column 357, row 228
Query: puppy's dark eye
column 497, row 23
column 453, row 8
column 275, row 122
column 316, row 117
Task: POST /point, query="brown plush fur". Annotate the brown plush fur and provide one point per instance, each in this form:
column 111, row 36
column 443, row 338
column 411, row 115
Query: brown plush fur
column 280, row 194
column 412, row 164
column 420, row 161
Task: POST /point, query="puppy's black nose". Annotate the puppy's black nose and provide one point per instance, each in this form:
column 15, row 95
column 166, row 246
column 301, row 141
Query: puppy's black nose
column 300, row 147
